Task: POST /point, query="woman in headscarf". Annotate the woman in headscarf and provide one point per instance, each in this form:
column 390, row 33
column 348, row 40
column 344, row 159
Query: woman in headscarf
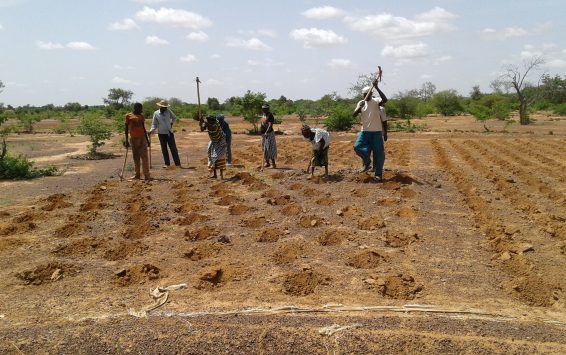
column 216, row 147
column 268, row 144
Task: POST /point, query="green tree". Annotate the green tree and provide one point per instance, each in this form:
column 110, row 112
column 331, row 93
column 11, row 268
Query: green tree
column 494, row 106
column 447, row 102
column 250, row 105
column 118, row 98
column 92, row 125
column 476, row 94
column 515, row 78
column 553, row 89
column 340, row 119
column 213, row 103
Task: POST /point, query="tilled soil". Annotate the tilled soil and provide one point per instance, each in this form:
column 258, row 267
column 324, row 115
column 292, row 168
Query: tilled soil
column 460, row 249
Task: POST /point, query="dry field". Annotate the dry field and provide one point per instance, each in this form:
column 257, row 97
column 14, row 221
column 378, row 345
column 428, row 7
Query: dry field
column 461, row 250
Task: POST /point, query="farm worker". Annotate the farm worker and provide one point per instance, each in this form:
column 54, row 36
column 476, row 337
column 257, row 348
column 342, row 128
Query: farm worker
column 228, row 135
column 268, row 144
column 163, row 121
column 216, row 147
column 373, row 132
column 136, row 138
column 320, row 141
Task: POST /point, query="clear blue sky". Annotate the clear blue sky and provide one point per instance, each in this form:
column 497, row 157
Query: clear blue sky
column 59, row 51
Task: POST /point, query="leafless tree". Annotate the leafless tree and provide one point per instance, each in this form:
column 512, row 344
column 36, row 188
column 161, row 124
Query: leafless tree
column 515, row 77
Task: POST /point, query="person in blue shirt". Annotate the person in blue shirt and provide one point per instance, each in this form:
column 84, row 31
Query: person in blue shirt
column 163, row 121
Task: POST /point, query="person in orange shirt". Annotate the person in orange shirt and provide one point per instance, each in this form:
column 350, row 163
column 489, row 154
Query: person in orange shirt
column 135, row 129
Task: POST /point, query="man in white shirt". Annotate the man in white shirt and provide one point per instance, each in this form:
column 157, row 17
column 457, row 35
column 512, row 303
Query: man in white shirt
column 163, row 120
column 373, row 132
column 320, row 140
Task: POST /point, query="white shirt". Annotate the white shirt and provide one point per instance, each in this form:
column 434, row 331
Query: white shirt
column 163, row 121
column 318, row 135
column 372, row 116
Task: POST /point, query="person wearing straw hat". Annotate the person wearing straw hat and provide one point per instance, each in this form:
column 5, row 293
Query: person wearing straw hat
column 373, row 132
column 163, row 121
column 268, row 143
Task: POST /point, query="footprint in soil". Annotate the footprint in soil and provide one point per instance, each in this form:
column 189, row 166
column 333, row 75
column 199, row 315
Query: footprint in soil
column 303, row 283
column 366, row 259
column 47, row 273
column 402, row 287
column 137, row 275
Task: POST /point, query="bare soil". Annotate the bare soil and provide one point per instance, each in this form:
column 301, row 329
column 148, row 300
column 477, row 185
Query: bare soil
column 462, row 249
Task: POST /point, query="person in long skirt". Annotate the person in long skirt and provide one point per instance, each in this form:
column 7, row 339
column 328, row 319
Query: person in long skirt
column 268, row 143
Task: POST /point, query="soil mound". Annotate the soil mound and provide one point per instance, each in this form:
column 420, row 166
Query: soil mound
column 407, row 212
column 302, row 283
column 269, row 235
column 228, row 200
column 79, row 247
column 367, row 259
column 310, row 221
column 279, row 200
column 333, row 237
column 325, row 201
column 55, row 202
column 203, row 251
column 287, row 253
column 193, row 217
column 292, row 210
column 254, row 222
column 123, row 249
column 371, row 223
column 238, row 210
column 408, row 193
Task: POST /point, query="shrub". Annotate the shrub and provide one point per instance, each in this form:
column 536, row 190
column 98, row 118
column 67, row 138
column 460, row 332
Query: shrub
column 91, row 125
column 560, row 110
column 20, row 167
column 340, row 119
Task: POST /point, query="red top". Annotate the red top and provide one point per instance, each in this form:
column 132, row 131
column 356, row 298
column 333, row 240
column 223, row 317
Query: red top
column 135, row 125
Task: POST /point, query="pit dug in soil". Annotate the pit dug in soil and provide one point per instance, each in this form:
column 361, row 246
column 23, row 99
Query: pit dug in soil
column 55, row 202
column 371, row 223
column 200, row 234
column 333, row 237
column 203, row 251
column 137, row 274
column 46, row 273
column 402, row 287
column 269, row 235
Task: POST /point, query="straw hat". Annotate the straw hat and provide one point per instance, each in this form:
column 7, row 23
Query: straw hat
column 163, row 103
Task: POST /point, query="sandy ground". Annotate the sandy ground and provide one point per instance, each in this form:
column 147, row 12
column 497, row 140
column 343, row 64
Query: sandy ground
column 460, row 250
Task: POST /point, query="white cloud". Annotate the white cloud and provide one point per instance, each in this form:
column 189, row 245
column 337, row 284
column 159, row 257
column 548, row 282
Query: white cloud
column 215, row 56
column 426, row 76
column 437, row 14
column 253, row 62
column 258, row 33
column 510, row 32
column 49, row 45
column 528, row 54
column 173, row 18
column 556, row 63
column 314, row 37
column 323, row 13
column 189, row 58
column 155, row 41
column 199, row 36
column 252, row 44
column 340, row 63
column 213, row 82
column 265, row 63
column 392, row 27
column 80, row 46
column 1, row 27
column 120, row 80
column 442, row 59
column 77, row 78
column 407, row 51
column 149, row 2
column 126, row 24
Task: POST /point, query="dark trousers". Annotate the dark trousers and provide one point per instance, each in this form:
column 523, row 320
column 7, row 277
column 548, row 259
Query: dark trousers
column 164, row 141
column 229, row 150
